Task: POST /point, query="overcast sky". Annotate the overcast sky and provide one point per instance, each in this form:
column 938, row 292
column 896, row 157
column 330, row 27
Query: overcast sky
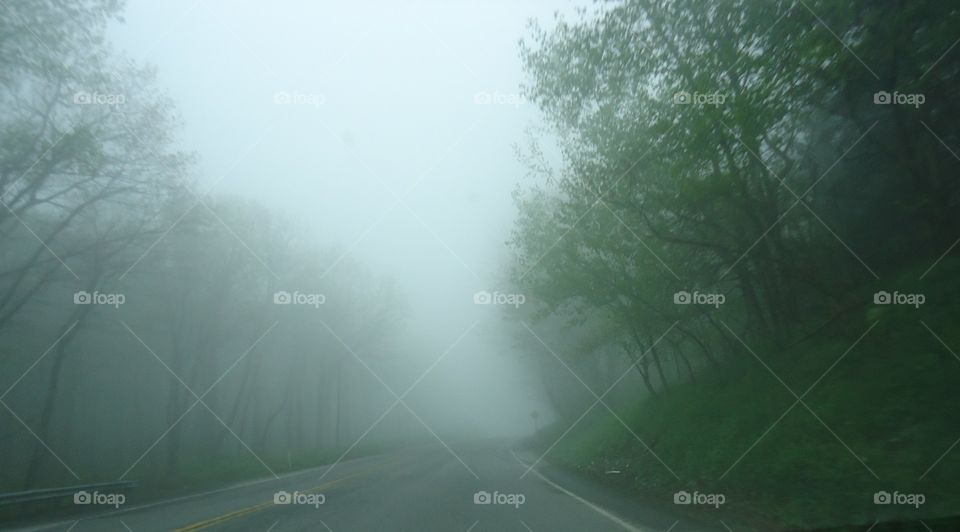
column 388, row 128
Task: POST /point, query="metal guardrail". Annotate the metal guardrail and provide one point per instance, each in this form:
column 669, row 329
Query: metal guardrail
column 53, row 493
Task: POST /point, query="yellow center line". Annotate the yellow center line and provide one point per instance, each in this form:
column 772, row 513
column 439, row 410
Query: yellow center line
column 200, row 525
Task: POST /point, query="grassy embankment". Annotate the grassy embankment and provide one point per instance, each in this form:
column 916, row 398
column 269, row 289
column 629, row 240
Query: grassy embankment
column 893, row 401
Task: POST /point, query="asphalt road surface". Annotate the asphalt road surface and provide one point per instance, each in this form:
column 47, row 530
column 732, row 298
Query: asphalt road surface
column 471, row 487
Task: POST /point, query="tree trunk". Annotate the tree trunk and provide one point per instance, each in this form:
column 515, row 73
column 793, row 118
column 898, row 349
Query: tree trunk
column 47, row 411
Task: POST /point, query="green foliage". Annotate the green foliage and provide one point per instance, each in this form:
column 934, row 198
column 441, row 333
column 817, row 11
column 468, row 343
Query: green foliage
column 745, row 148
column 887, row 401
column 786, row 191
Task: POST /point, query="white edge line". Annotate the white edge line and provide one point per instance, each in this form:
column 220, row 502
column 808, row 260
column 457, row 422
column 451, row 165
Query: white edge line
column 625, row 524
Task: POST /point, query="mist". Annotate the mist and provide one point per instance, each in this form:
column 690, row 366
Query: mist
column 632, row 265
column 390, row 157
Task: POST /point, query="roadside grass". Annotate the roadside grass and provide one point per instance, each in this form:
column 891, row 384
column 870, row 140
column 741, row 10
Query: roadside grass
column 884, row 417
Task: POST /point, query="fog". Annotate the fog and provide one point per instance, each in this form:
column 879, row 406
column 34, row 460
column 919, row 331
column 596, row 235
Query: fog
column 367, row 146
column 673, row 265
column 389, row 156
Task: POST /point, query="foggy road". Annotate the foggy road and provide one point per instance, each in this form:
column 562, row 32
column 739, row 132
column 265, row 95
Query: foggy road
column 424, row 489
column 535, row 265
